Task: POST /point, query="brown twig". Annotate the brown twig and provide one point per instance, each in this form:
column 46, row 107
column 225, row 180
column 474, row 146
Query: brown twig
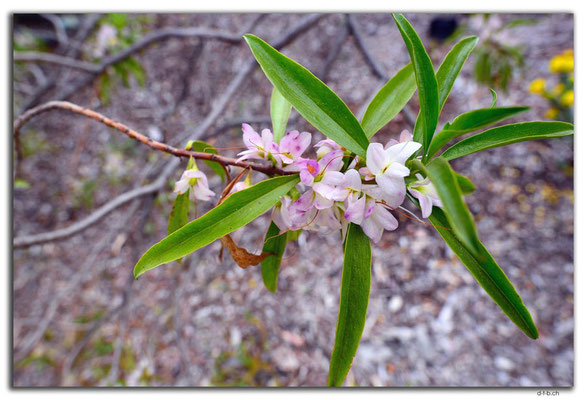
column 56, row 59
column 74, row 108
column 219, row 106
column 373, row 64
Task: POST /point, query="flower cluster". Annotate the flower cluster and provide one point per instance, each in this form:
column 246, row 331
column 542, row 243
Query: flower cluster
column 562, row 95
column 336, row 188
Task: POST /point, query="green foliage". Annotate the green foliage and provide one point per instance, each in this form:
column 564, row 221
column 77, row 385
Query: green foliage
column 471, row 121
column 508, row 134
column 354, row 299
column 446, row 183
column 447, row 74
column 496, row 62
column 274, row 244
column 237, row 210
column 319, row 105
column 425, row 81
column 296, row 86
column 280, row 111
column 179, row 215
column 488, row 274
column 21, row 184
column 389, row 101
column 203, row 147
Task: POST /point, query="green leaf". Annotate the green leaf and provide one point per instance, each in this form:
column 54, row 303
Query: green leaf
column 137, row 70
column 446, row 183
column 104, row 87
column 508, row 134
column 425, row 80
column 179, row 215
column 447, row 74
column 237, row 210
column 451, row 67
column 489, row 275
column 319, row 105
column 354, row 299
column 21, row 184
column 203, row 147
column 471, row 121
column 465, row 184
column 389, row 101
column 494, row 100
column 280, row 111
column 274, row 244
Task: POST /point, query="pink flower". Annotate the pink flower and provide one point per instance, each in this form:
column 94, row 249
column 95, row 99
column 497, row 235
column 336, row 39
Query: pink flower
column 405, row 136
column 292, row 145
column 307, row 168
column 326, row 146
column 281, row 215
column 260, row 147
column 326, row 221
column 300, row 211
column 195, row 179
column 426, row 194
column 347, row 187
column 331, row 161
column 376, row 219
column 387, row 165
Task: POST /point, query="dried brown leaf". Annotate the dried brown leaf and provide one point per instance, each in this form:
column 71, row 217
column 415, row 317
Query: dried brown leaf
column 241, row 256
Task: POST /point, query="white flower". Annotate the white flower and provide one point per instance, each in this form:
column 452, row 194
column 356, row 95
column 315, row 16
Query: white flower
column 197, row 181
column 387, row 165
column 376, row 219
column 261, row 147
column 426, row 194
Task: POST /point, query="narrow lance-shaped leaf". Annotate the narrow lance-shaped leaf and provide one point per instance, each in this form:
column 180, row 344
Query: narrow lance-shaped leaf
column 198, row 145
column 237, row 210
column 179, row 215
column 389, row 101
column 452, row 65
column 274, row 244
column 447, row 74
column 471, row 121
column 280, row 111
column 446, row 183
column 508, row 134
column 425, row 80
column 319, row 105
column 488, row 274
column 354, row 299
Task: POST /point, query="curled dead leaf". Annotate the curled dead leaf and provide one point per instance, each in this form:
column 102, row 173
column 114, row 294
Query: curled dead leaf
column 241, row 256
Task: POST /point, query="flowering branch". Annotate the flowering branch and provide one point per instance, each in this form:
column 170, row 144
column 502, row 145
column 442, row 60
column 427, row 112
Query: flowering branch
column 74, row 108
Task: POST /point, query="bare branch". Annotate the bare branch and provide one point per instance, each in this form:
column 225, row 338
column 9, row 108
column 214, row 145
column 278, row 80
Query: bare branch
column 218, row 107
column 335, row 50
column 371, row 61
column 374, row 65
column 37, row 56
column 29, row 240
column 74, row 108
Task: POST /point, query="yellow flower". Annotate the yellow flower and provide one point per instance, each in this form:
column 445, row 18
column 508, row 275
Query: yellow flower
column 568, row 98
column 558, row 89
column 562, row 63
column 537, row 86
column 552, row 113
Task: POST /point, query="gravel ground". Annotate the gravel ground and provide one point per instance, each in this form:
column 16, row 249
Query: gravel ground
column 208, row 322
